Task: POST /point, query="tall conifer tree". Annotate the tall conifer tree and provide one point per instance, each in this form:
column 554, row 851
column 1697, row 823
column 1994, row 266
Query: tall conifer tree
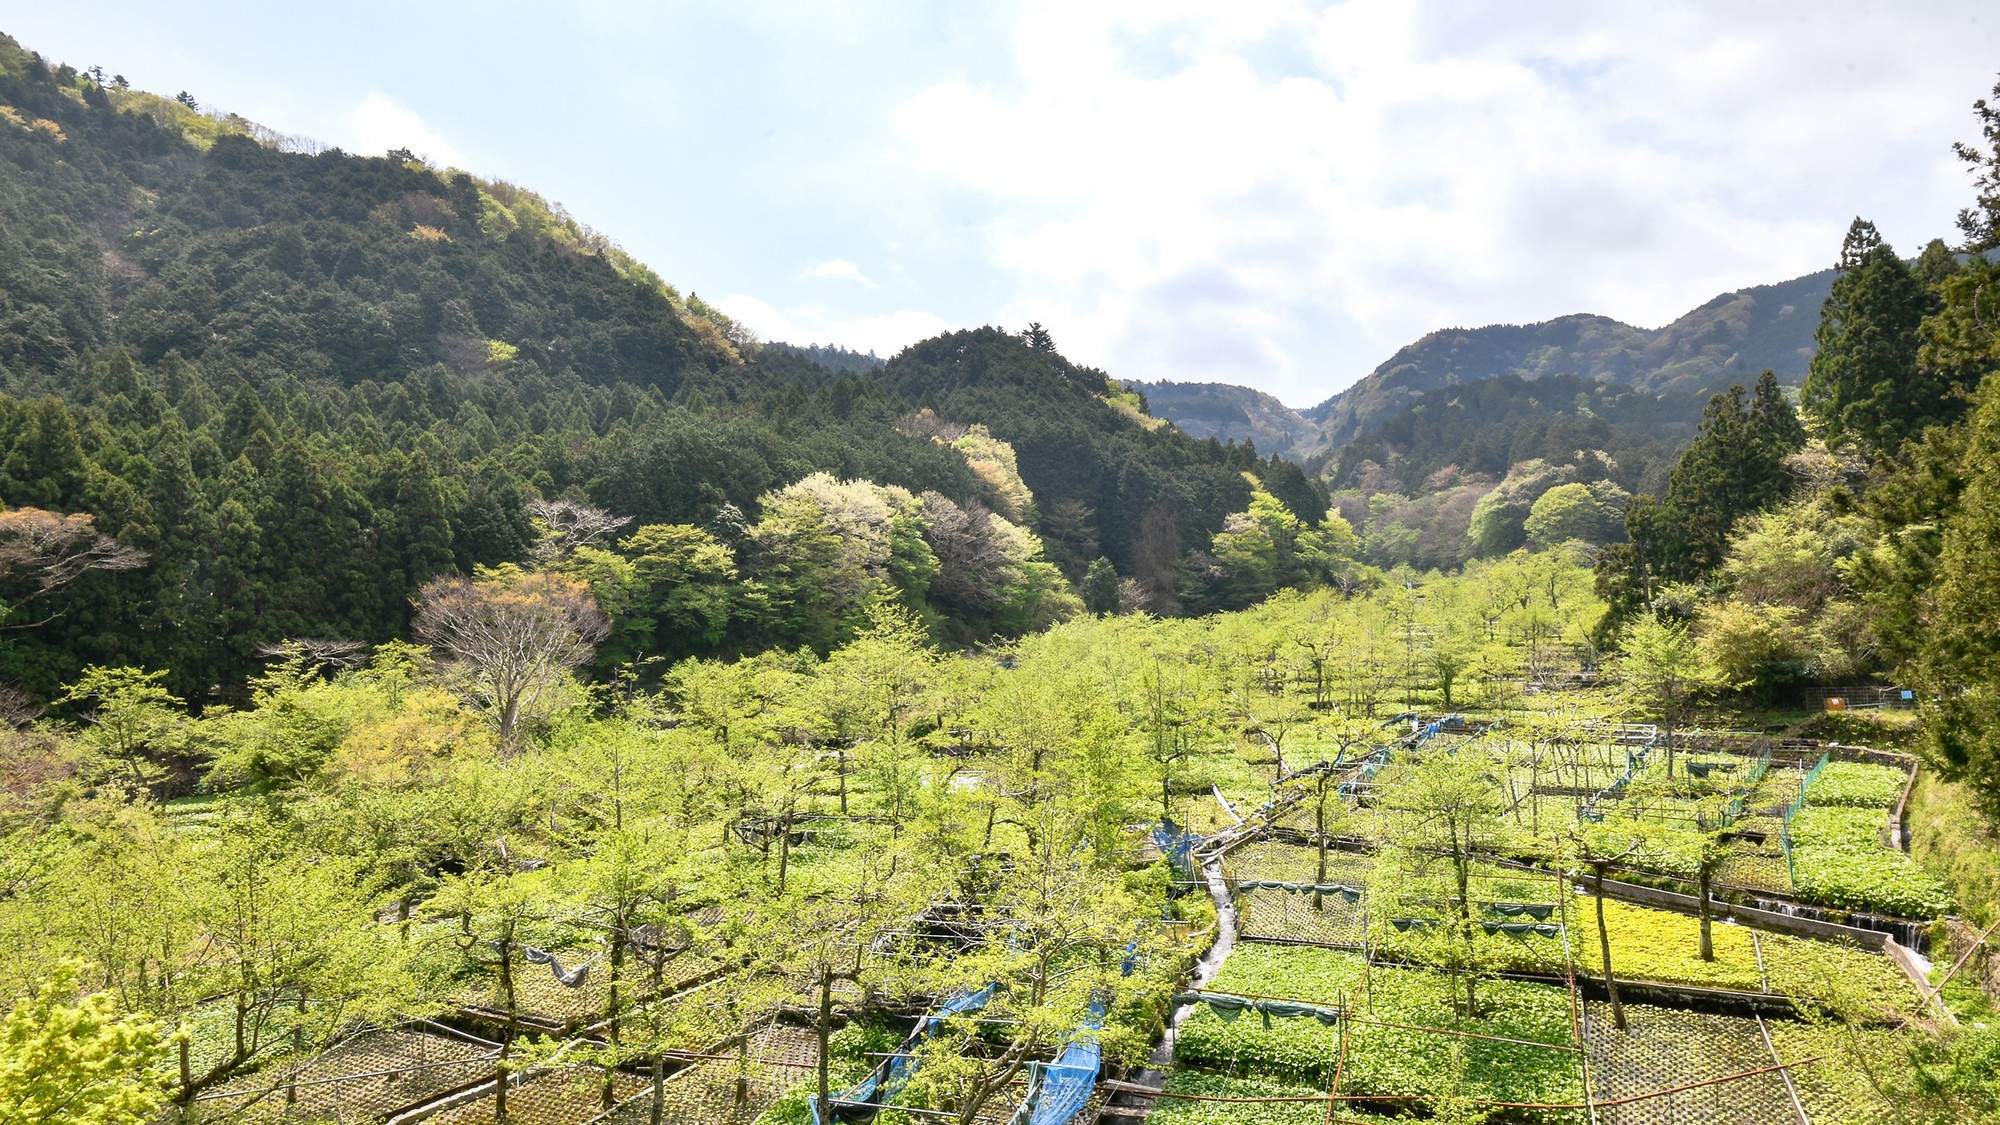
column 1864, row 384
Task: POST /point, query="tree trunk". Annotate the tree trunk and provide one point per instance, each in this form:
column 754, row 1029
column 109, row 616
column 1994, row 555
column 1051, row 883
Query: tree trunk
column 784, row 851
column 506, row 1040
column 500, row 1085
column 610, row 1092
column 1604, row 949
column 1319, row 831
column 510, row 714
column 1464, row 866
column 298, row 1052
column 1704, row 875
column 659, row 1089
column 825, row 1030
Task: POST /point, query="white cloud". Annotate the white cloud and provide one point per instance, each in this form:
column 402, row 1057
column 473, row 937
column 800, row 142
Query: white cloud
column 379, row 125
column 1281, row 193
column 885, row 334
column 837, row 269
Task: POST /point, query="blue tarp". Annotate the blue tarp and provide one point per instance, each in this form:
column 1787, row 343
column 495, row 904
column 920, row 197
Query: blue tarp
column 1063, row 1087
column 1068, row 1081
column 1177, row 844
column 886, row 1080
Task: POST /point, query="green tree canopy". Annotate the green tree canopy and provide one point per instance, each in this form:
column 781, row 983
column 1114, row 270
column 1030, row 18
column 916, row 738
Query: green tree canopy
column 1958, row 655
column 1864, row 384
column 71, row 1061
column 1570, row 511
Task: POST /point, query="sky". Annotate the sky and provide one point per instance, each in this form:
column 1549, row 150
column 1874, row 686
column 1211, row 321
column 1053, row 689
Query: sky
column 1277, row 193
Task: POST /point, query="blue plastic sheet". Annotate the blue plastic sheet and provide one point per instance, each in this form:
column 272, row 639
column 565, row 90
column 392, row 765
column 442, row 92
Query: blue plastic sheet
column 1067, row 1082
column 1177, row 844
column 883, row 1083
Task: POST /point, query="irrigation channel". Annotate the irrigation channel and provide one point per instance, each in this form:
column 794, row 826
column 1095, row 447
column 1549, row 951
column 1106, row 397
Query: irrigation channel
column 1128, row 1104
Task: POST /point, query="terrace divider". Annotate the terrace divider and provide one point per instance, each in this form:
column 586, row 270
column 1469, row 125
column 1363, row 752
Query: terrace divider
column 1748, row 915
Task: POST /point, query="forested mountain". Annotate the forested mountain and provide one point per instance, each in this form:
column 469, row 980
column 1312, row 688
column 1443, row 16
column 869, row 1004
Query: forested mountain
column 299, row 384
column 1728, row 339
column 1490, row 425
column 833, row 357
column 1229, row 412
column 1467, row 427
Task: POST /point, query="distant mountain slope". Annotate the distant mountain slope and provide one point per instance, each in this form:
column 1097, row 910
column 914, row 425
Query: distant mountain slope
column 1732, row 337
column 1225, row 411
column 1589, row 346
column 832, row 356
column 1739, row 333
column 1735, row 335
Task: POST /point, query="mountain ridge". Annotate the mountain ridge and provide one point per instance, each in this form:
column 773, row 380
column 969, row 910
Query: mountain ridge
column 303, row 384
column 1728, row 338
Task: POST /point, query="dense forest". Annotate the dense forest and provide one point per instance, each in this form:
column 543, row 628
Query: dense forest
column 303, row 384
column 448, row 673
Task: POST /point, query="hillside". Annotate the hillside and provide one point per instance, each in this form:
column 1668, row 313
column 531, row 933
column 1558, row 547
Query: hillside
column 1727, row 339
column 449, row 673
column 304, row 383
column 1229, row 412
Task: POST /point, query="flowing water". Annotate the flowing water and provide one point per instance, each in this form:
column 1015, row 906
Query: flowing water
column 1162, row 1058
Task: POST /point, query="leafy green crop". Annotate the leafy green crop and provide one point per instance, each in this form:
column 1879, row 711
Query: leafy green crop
column 1854, row 829
column 1412, row 1059
column 1838, row 861
column 1880, row 880
column 1857, row 785
column 1173, row 1111
column 1291, row 972
column 1660, row 945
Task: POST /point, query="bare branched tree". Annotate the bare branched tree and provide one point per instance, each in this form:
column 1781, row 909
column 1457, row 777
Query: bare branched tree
column 566, row 525
column 926, row 423
column 317, row 651
column 17, row 707
column 511, row 638
column 43, row 551
column 978, row 553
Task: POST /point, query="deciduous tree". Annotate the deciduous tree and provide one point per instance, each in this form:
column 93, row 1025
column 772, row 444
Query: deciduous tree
column 511, row 636
column 70, row 1060
column 42, row 551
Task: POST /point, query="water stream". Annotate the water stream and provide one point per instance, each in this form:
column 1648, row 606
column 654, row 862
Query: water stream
column 1205, row 969
column 1911, row 935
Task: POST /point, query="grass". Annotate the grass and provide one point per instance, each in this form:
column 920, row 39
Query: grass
column 1948, row 836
